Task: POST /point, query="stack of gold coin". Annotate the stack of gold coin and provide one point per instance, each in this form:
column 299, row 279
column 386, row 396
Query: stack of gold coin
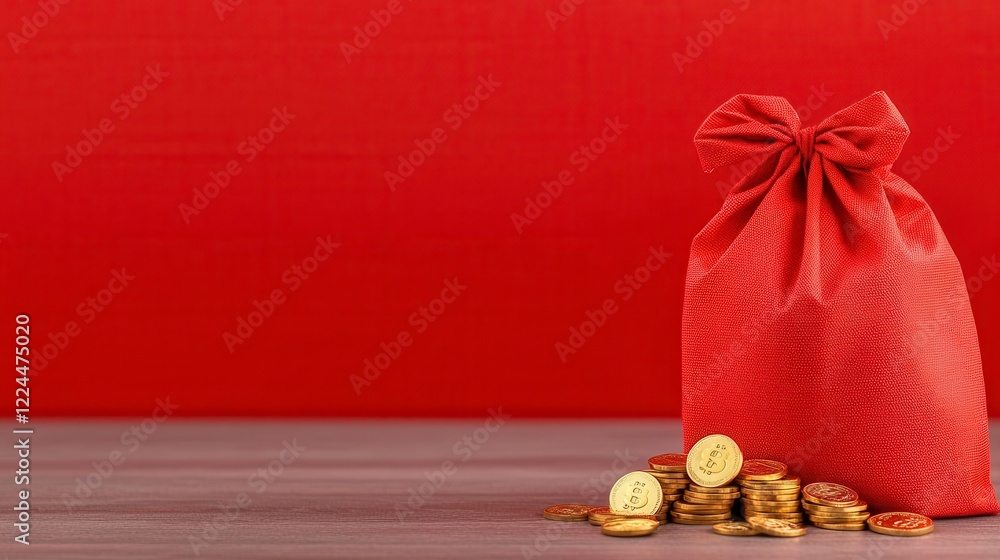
column 705, row 505
column 833, row 506
column 766, row 491
column 670, row 469
column 713, row 462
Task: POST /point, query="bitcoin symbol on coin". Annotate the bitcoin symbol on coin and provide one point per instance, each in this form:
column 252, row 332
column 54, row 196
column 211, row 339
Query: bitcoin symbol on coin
column 636, row 493
column 714, row 459
column 639, row 496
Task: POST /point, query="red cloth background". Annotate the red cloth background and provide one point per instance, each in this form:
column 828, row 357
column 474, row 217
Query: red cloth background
column 323, row 175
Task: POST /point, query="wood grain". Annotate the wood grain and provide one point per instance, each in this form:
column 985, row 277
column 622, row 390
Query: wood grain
column 345, row 494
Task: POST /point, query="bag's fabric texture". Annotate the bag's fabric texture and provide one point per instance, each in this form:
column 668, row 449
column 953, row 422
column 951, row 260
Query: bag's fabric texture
column 826, row 319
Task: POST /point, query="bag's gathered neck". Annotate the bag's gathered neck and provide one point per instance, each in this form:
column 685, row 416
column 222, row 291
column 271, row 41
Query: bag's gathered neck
column 866, row 135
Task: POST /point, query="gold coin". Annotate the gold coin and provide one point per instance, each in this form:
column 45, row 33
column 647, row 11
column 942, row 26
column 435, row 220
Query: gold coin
column 695, row 521
column 762, row 469
column 682, row 486
column 787, row 482
column 714, row 460
column 630, row 527
column 771, row 496
column 777, row 527
column 797, row 517
column 712, row 496
column 767, row 504
column 734, row 528
column 601, row 515
column 669, row 462
column 714, row 499
column 900, row 524
column 829, row 494
column 760, row 506
column 704, row 516
column 842, row 526
column 716, row 490
column 667, row 475
column 567, row 512
column 700, row 508
column 811, row 507
column 636, row 493
column 857, row 517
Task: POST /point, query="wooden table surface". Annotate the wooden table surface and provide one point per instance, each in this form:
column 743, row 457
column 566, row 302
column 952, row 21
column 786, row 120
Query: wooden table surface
column 384, row 489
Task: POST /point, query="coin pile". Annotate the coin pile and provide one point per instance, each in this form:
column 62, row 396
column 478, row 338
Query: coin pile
column 713, row 462
column 833, row 506
column 768, row 492
column 702, row 486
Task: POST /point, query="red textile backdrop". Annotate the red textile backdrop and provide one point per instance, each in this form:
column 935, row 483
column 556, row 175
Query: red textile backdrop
column 234, row 205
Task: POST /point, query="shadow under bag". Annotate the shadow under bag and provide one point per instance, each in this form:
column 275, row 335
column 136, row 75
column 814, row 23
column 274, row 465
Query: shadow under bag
column 826, row 319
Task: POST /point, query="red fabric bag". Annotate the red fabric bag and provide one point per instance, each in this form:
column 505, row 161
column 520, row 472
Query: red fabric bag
column 826, row 319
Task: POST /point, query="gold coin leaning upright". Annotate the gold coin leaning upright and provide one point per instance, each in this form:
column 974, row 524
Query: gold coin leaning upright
column 714, row 460
column 636, row 493
column 734, row 528
column 630, row 527
column 900, row 524
column 777, row 527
